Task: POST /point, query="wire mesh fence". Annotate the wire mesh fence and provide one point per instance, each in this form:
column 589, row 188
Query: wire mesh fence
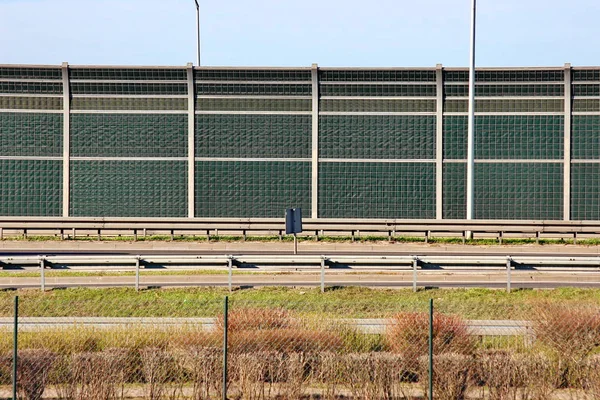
column 175, row 348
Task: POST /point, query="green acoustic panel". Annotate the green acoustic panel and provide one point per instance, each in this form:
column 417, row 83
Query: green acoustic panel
column 382, row 105
column 252, row 74
column 131, row 88
column 585, row 191
column 266, row 136
column 31, row 87
column 506, row 90
column 519, row 191
column 270, row 89
column 128, row 188
column 30, row 73
column 234, row 104
column 129, row 135
column 507, row 106
column 377, row 90
column 129, row 73
column 519, row 137
column 585, row 137
column 538, row 137
column 506, row 76
column 455, row 137
column 454, row 193
column 252, row 188
column 586, row 90
column 124, row 103
column 376, row 190
column 586, row 75
column 377, row 76
column 31, row 134
column 31, row 103
column 377, row 136
column 31, row 187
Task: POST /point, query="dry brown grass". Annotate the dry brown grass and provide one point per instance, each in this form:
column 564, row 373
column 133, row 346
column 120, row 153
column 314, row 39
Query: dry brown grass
column 453, row 375
column 408, row 334
column 33, row 369
column 250, row 319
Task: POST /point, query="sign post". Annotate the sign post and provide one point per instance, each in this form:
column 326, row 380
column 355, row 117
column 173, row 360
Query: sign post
column 293, row 224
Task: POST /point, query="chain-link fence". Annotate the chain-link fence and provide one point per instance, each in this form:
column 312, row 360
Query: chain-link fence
column 214, row 347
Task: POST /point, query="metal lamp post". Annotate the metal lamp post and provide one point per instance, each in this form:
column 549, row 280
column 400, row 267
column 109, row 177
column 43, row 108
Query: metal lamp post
column 471, row 123
column 198, row 29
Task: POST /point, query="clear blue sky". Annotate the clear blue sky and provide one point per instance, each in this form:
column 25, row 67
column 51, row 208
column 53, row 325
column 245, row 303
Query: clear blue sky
column 300, row 32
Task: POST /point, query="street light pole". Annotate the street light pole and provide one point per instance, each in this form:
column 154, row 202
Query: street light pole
column 471, row 122
column 198, row 29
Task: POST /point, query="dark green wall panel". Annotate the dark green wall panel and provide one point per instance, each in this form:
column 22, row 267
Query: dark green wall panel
column 377, row 190
column 538, row 137
column 379, row 136
column 518, row 191
column 129, row 135
column 454, row 196
column 128, row 188
column 585, row 191
column 252, row 188
column 31, row 187
column 273, row 136
column 30, row 134
column 585, row 137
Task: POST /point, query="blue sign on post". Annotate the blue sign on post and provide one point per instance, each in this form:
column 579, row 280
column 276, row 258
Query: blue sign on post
column 293, row 220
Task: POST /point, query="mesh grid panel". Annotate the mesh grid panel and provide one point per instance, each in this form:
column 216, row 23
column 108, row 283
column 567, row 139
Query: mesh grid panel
column 506, row 90
column 585, row 137
column 129, row 88
column 31, row 187
column 121, row 135
column 128, row 188
column 273, row 104
column 29, row 134
column 506, row 76
column 269, row 136
column 361, row 105
column 585, row 191
column 31, row 103
column 31, row 87
column 30, row 73
column 454, row 194
column 507, row 106
column 381, row 136
column 455, row 137
column 128, row 73
column 377, row 90
column 377, row 76
column 82, row 103
column 251, row 188
column 586, row 90
column 253, row 89
column 377, row 190
column 252, row 75
column 518, row 191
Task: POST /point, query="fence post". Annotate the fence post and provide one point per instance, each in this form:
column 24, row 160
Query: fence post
column 15, row 348
column 430, row 349
column 508, row 277
column 225, row 328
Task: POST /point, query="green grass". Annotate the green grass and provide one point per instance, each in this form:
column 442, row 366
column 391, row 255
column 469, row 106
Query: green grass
column 324, row 239
column 334, row 303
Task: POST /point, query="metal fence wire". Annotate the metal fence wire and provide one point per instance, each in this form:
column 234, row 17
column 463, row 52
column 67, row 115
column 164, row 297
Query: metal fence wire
column 176, row 348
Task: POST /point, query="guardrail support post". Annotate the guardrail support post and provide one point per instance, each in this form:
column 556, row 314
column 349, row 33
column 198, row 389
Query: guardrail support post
column 500, row 234
column 537, row 238
column 74, row 233
column 508, row 277
column 42, row 274
column 414, row 265
column 135, row 235
column 2, row 234
column 322, row 274
column 574, row 237
column 230, row 273
column 137, row 273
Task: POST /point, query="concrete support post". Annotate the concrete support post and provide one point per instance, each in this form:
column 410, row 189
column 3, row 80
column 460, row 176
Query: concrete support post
column 567, row 146
column 315, row 142
column 66, row 139
column 191, row 140
column 439, row 142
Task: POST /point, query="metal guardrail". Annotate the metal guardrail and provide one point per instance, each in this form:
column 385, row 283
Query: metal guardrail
column 340, row 263
column 362, row 325
column 72, row 227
